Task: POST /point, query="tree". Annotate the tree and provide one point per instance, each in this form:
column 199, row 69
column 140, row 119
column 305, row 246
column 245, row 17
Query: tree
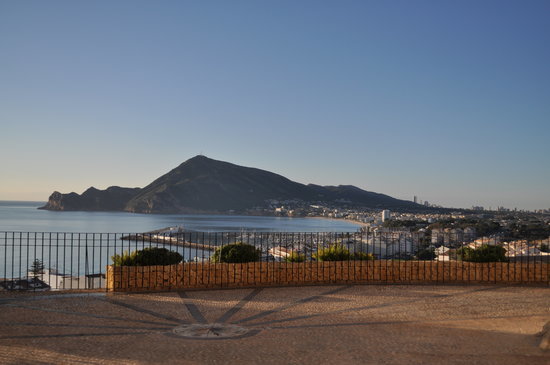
column 426, row 254
column 37, row 268
column 483, row 253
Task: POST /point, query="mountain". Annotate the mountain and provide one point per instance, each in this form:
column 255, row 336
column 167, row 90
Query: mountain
column 204, row 185
column 113, row 198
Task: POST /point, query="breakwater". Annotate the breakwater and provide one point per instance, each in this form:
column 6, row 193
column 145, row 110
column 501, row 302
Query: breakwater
column 175, row 240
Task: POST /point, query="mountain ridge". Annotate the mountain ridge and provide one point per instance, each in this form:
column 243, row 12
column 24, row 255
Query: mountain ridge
column 204, row 185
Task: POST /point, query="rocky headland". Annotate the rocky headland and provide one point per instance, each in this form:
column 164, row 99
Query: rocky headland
column 204, row 185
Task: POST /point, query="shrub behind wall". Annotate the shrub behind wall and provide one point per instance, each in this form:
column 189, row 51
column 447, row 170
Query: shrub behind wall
column 335, row 252
column 147, row 257
column 295, row 257
column 483, row 253
column 236, row 253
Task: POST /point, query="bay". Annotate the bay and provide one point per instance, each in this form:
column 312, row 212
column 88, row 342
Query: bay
column 86, row 241
column 22, row 216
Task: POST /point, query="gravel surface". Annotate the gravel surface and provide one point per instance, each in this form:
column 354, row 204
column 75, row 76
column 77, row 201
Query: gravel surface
column 358, row 324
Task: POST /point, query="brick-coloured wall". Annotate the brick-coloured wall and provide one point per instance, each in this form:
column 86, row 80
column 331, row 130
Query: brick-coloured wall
column 258, row 274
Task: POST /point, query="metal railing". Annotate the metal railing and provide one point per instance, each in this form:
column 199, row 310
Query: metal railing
column 78, row 261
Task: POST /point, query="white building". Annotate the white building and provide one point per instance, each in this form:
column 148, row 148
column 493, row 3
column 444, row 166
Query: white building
column 386, row 215
column 61, row 281
column 384, row 245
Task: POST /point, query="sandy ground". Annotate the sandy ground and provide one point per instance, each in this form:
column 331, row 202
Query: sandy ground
column 374, row 324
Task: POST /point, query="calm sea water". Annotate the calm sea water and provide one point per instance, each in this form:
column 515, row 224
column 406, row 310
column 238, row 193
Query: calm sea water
column 74, row 254
column 23, row 216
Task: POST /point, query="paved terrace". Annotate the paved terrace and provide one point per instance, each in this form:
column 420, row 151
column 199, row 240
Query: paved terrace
column 372, row 324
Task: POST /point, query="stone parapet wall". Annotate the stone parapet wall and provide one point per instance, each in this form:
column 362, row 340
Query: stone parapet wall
column 263, row 274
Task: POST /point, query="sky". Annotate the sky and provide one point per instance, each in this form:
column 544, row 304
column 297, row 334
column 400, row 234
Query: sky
column 445, row 100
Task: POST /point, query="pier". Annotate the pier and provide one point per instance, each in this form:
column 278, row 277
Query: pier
column 165, row 236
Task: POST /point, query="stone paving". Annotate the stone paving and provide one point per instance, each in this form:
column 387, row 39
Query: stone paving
column 359, row 324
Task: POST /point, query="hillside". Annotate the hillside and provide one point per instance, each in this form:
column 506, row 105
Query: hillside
column 204, row 185
column 113, row 198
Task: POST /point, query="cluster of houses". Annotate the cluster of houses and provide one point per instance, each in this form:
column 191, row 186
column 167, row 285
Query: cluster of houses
column 450, row 236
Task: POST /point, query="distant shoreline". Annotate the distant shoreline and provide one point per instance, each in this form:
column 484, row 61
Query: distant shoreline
column 359, row 223
column 24, row 217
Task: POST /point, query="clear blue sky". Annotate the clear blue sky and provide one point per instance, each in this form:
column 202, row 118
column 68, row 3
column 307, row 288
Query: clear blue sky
column 446, row 100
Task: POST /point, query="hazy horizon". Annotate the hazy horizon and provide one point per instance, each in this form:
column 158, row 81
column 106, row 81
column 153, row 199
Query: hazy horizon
column 444, row 100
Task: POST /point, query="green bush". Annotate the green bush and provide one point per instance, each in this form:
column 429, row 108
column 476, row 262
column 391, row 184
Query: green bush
column 335, row 252
column 236, row 253
column 362, row 256
column 147, row 257
column 483, row 253
column 426, row 254
column 126, row 259
column 295, row 257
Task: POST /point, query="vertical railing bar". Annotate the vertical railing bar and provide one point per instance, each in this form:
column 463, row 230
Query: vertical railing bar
column 102, row 283
column 218, row 263
column 178, row 243
column 113, row 271
column 202, row 258
column 449, row 256
column 20, row 251
column 255, row 264
column 317, row 256
column 42, row 255
column 87, row 271
column 386, row 248
column 5, row 255
column 94, row 273
column 263, row 257
column 50, row 259
column 78, row 263
column 28, row 247
column 152, row 281
column 57, row 260
column 402, row 257
column 292, row 266
column 245, row 281
column 63, row 276
column 197, row 268
column 235, row 266
column 71, row 260
column 528, row 258
column 12, row 255
column 170, row 248
column 139, row 238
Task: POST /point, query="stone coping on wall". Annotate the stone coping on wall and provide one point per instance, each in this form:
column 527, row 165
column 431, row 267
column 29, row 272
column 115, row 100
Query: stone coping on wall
column 264, row 274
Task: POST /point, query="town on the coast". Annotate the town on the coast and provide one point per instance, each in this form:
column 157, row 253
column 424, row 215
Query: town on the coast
column 523, row 233
column 384, row 234
column 386, row 228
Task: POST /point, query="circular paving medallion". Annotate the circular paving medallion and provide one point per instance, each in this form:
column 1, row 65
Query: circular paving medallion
column 212, row 331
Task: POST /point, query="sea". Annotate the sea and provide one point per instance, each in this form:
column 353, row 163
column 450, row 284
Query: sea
column 77, row 246
column 23, row 216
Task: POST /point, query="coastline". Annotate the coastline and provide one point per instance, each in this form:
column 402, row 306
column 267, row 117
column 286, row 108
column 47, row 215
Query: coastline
column 24, row 217
column 359, row 223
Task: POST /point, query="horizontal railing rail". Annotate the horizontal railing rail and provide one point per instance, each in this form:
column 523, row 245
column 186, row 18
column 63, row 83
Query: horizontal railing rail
column 116, row 261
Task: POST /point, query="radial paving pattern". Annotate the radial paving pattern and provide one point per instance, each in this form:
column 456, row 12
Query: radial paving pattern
column 353, row 324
